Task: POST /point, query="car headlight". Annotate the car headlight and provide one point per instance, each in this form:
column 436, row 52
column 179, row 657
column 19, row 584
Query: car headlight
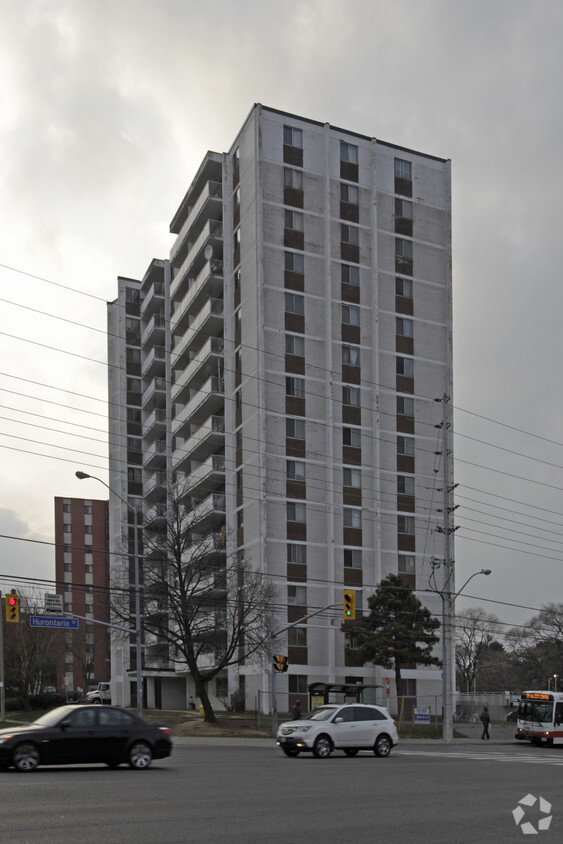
column 4, row 738
column 302, row 729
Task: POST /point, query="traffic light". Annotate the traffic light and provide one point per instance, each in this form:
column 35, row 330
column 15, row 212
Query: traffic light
column 349, row 606
column 12, row 607
column 280, row 662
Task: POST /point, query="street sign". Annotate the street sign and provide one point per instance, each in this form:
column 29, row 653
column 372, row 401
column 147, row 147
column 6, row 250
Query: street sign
column 53, row 602
column 53, row 621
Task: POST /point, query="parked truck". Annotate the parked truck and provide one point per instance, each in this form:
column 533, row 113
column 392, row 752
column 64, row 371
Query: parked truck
column 101, row 694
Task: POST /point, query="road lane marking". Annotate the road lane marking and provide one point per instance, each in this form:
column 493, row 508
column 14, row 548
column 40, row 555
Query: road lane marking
column 494, row 756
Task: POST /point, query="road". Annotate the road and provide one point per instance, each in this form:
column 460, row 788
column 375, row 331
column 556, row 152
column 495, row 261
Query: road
column 215, row 791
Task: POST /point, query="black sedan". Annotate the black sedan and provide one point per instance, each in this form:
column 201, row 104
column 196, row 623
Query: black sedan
column 71, row 735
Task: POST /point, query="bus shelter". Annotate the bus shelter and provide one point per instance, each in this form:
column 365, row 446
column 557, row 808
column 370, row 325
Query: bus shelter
column 321, row 693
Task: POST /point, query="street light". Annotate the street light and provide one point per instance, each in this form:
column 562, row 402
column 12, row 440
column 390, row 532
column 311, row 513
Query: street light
column 448, row 604
column 81, row 476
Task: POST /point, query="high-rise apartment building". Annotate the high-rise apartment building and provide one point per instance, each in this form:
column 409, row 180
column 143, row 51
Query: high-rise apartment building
column 82, row 578
column 288, row 377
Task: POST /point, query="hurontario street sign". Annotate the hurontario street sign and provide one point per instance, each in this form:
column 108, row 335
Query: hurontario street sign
column 53, row 621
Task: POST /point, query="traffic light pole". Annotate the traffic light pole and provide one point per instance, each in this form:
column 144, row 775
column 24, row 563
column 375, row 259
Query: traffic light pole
column 2, row 685
column 273, row 636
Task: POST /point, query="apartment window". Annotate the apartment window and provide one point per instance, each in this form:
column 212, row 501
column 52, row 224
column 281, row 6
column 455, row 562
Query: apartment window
column 297, row 596
column 351, row 396
column 221, row 687
column 238, row 400
column 133, row 355
column 133, row 416
column 296, row 511
column 403, row 287
column 349, row 193
column 68, row 608
column 66, row 507
column 405, row 485
column 133, row 444
column 131, row 294
column 405, row 366
column 403, row 209
column 133, row 385
column 295, row 429
column 134, row 475
column 350, row 315
column 88, row 529
column 294, row 262
column 403, row 169
column 350, row 234
column 350, row 274
column 405, row 525
column 404, row 327
column 352, row 518
column 293, row 220
column 297, row 636
column 405, row 406
column 353, row 558
column 296, row 553
column 239, row 479
column 352, row 437
column 295, row 345
column 407, row 564
column 88, row 508
column 240, row 519
column 88, row 568
column 67, row 566
column 297, row 684
column 67, row 528
column 295, row 387
column 352, row 477
column 405, row 445
column 293, row 137
column 295, row 470
column 403, row 249
column 294, row 304
column 293, row 178
column 348, row 153
column 351, row 355
column 67, row 547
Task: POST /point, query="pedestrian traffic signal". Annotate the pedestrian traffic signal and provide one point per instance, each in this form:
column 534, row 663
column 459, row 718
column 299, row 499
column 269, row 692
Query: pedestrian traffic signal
column 280, row 662
column 12, row 607
column 349, row 607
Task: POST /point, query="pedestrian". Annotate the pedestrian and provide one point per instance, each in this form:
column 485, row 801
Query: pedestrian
column 485, row 720
column 296, row 711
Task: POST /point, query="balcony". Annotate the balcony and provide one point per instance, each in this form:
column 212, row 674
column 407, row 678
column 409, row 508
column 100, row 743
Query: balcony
column 208, row 513
column 154, row 457
column 205, row 440
column 210, row 235
column 206, row 477
column 207, row 361
column 154, row 300
column 155, row 488
column 155, row 393
column 208, row 205
column 153, row 364
column 154, row 330
column 206, row 323
column 207, row 401
column 208, row 284
column 155, row 426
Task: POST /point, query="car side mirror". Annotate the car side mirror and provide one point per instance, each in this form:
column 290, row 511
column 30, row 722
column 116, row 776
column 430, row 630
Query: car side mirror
column 338, row 720
column 64, row 724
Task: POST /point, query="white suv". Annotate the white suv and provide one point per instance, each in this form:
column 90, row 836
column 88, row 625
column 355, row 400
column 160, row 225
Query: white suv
column 347, row 727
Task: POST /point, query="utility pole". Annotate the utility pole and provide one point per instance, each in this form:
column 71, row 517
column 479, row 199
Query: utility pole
column 2, row 678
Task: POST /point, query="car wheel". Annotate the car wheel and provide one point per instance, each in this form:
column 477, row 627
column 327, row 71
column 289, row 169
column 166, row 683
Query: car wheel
column 322, row 747
column 350, row 751
column 25, row 757
column 140, row 755
column 382, row 746
column 291, row 751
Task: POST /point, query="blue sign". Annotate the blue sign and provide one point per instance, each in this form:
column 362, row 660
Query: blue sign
column 53, row 621
column 422, row 715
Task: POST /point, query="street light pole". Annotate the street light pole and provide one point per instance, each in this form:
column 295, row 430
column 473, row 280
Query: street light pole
column 448, row 605
column 139, row 673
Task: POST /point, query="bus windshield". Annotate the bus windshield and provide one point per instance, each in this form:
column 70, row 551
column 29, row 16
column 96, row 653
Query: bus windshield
column 536, row 710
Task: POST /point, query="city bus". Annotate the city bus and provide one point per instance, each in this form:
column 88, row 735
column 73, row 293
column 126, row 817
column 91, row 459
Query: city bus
column 540, row 717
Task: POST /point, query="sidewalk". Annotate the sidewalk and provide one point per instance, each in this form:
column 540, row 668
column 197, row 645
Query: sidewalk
column 500, row 734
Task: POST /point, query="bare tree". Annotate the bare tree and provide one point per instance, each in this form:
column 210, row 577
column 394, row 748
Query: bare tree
column 475, row 633
column 537, row 646
column 202, row 608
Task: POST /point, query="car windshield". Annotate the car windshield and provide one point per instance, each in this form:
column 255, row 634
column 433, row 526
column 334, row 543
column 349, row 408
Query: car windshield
column 323, row 713
column 54, row 716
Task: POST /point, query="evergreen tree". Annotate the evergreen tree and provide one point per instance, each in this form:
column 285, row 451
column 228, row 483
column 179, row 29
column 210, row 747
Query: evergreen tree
column 397, row 631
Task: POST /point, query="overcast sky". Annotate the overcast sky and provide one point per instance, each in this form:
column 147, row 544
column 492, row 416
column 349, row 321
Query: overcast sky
column 108, row 107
